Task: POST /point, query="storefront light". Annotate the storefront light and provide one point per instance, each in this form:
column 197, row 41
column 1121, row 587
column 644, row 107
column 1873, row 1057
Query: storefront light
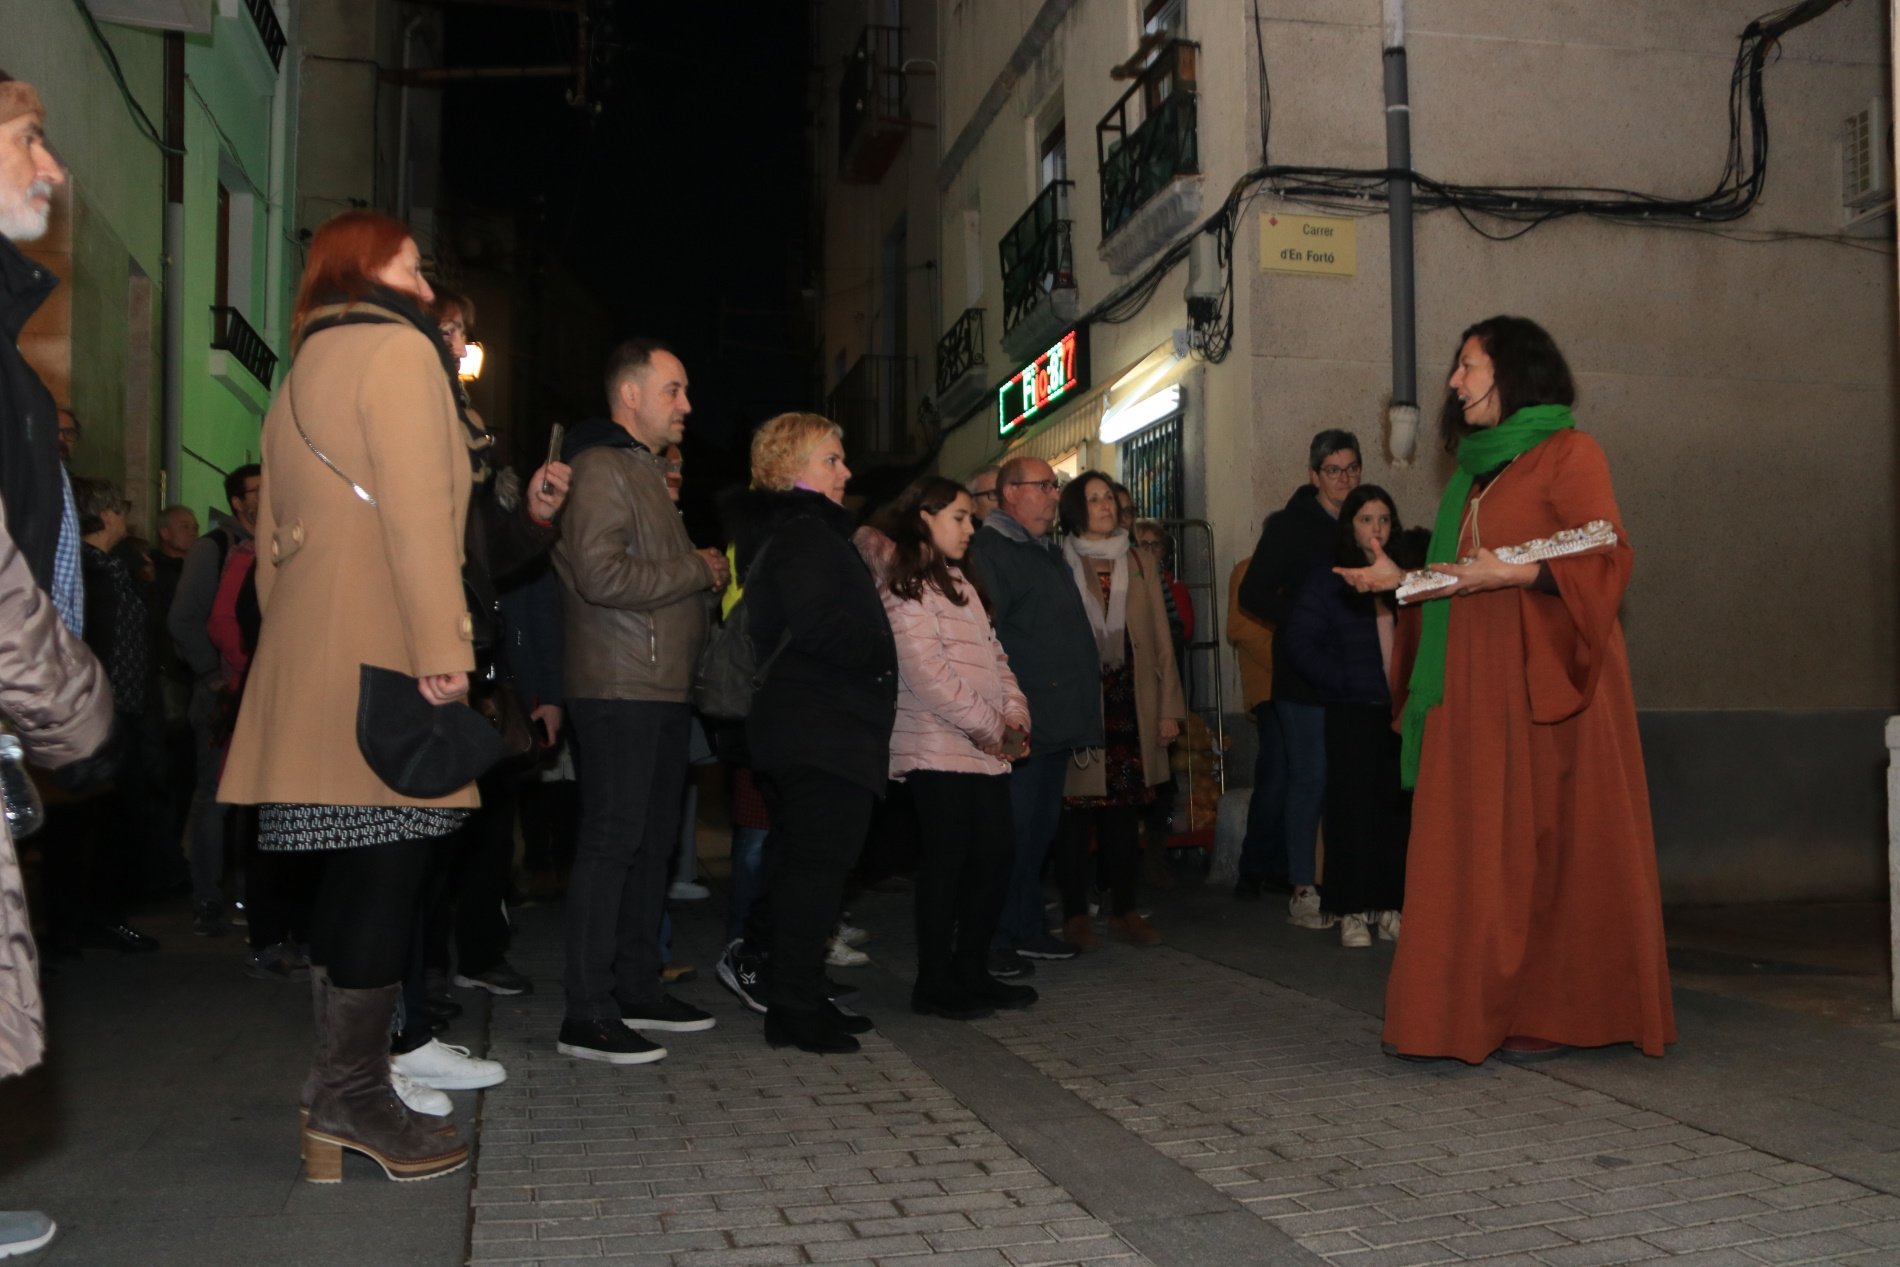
column 471, row 367
column 1123, row 421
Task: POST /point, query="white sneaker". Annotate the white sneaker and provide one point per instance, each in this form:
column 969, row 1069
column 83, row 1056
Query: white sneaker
column 852, row 935
column 687, row 891
column 447, row 1068
column 1302, row 910
column 1388, row 925
column 23, row 1231
column 420, row 1099
column 839, row 955
column 1353, row 932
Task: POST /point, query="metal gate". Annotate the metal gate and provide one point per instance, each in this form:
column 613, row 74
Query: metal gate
column 1191, row 560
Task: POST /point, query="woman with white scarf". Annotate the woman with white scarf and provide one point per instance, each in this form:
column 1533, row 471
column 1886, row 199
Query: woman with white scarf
column 1142, row 712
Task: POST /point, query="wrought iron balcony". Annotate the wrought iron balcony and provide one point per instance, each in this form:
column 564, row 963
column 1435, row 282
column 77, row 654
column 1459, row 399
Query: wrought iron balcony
column 265, row 19
column 232, row 333
column 1036, row 254
column 871, row 404
column 960, row 350
column 873, row 106
column 1149, row 138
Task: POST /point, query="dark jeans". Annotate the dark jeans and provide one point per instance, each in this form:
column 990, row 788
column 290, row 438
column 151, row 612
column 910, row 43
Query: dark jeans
column 364, row 920
column 1116, row 831
column 204, row 827
column 470, row 907
column 1368, row 815
column 550, row 812
column 818, row 826
column 1035, row 805
column 412, row 1014
column 748, row 878
column 963, row 873
column 93, row 851
column 1263, row 848
column 632, row 766
column 1303, row 729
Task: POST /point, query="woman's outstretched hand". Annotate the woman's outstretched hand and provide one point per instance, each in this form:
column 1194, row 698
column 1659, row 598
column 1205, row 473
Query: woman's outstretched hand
column 1486, row 572
column 443, row 688
column 1377, row 577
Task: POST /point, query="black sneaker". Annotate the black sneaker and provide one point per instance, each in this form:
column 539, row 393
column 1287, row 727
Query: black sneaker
column 848, row 1021
column 1000, row 994
column 1007, row 963
column 808, row 1031
column 207, row 920
column 668, row 1014
column 606, row 1042
column 950, row 1003
column 500, row 979
column 742, row 973
column 1043, row 946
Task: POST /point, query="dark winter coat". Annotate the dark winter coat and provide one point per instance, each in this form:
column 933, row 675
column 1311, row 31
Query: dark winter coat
column 1045, row 632
column 119, row 628
column 1296, row 541
column 1332, row 640
column 830, row 698
column 29, row 422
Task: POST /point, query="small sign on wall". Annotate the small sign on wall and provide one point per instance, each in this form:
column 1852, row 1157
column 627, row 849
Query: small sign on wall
column 1322, row 245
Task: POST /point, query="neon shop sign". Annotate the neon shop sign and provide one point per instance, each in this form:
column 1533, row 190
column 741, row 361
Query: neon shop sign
column 1043, row 384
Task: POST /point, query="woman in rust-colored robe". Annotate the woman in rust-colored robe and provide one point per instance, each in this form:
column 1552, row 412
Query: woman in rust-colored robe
column 1532, row 916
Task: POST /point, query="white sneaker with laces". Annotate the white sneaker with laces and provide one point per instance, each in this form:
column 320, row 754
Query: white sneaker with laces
column 448, row 1068
column 419, row 1098
column 1353, row 932
column 687, row 891
column 852, row 935
column 1302, row 910
column 839, row 955
column 1388, row 925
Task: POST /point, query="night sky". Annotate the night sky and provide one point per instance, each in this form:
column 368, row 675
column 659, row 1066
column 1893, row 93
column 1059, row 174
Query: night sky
column 683, row 204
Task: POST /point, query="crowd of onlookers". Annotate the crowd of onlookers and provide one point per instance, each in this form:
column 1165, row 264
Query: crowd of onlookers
column 991, row 671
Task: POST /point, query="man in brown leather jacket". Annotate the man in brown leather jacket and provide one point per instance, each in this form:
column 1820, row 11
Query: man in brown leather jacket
column 637, row 605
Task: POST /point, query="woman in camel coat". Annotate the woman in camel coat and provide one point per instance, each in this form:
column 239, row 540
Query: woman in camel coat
column 347, row 578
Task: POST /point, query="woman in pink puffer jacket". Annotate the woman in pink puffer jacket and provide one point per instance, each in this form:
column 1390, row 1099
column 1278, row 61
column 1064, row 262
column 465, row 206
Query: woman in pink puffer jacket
column 961, row 719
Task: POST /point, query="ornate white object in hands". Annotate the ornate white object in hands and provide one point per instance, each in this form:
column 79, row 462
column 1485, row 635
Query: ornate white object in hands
column 1593, row 535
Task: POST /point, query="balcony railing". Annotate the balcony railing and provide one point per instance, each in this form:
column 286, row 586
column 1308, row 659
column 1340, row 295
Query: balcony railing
column 873, row 105
column 871, row 404
column 232, row 333
column 1036, row 253
column 265, row 19
column 960, row 350
column 1149, row 137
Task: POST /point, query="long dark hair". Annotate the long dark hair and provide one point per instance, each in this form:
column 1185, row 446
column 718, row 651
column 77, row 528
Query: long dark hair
column 1346, row 551
column 1526, row 368
column 1073, row 508
column 915, row 559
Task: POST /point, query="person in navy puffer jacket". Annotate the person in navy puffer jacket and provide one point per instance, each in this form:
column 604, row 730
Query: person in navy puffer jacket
column 1342, row 643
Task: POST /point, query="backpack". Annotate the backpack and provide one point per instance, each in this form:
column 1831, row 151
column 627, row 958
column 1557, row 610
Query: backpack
column 729, row 670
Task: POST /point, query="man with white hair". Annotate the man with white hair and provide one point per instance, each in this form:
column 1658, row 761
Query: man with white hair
column 40, row 513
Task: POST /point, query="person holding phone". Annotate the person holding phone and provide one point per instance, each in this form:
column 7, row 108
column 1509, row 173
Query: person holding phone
column 961, row 721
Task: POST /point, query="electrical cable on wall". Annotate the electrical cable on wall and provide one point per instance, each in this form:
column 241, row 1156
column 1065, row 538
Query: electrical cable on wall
column 140, row 119
column 1363, row 191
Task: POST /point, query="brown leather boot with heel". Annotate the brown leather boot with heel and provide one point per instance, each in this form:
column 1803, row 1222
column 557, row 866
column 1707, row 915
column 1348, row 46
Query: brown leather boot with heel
column 1079, row 931
column 354, row 1106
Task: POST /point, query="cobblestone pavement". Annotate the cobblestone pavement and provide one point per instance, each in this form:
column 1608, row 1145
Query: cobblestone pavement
column 729, row 1154
column 1155, row 1106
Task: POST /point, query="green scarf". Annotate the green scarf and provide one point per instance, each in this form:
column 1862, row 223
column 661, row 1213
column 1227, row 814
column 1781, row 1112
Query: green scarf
column 1478, row 452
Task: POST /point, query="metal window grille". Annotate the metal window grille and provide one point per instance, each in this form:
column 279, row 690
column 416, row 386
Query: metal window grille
column 1151, row 467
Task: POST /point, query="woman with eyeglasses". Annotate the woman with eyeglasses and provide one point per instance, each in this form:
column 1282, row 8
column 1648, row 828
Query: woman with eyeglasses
column 1533, row 916
column 1143, row 709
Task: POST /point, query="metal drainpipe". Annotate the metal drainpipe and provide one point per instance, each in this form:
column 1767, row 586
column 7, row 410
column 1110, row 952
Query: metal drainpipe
column 1402, row 415
column 277, row 184
column 171, row 272
column 402, row 121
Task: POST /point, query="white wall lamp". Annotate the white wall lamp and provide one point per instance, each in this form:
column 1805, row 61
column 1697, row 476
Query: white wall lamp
column 471, row 367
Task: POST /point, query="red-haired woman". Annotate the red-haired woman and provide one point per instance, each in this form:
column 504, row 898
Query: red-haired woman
column 369, row 461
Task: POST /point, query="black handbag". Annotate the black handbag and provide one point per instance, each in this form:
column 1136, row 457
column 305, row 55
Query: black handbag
column 419, row 749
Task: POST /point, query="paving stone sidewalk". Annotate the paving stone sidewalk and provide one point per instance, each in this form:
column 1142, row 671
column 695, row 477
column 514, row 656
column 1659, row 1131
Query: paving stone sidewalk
column 1155, row 1106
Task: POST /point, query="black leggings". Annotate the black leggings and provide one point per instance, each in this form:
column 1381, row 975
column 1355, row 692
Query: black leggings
column 365, row 916
column 1116, row 831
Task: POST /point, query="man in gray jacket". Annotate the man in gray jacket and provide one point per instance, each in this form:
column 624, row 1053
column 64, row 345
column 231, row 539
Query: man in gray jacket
column 186, row 623
column 637, row 608
column 1044, row 630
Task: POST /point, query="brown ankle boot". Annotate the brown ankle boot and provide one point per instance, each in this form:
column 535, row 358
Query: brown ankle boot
column 354, row 1106
column 1079, row 932
column 319, row 996
column 1133, row 928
